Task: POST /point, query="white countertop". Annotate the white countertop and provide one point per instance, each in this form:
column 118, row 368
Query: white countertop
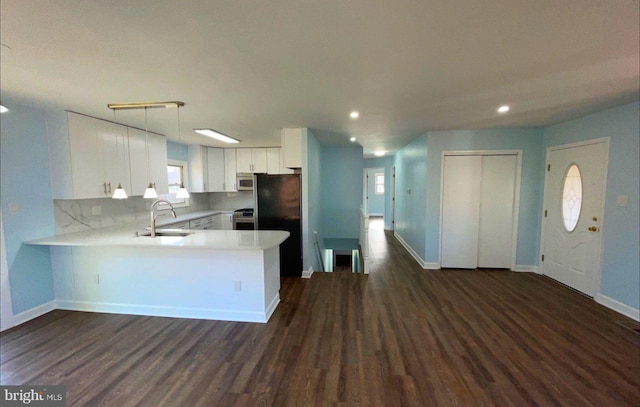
column 125, row 236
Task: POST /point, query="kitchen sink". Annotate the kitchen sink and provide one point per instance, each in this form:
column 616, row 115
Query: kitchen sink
column 166, row 232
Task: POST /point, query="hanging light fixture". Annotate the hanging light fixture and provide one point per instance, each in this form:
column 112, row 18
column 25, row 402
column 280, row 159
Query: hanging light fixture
column 150, row 192
column 182, row 191
column 119, row 193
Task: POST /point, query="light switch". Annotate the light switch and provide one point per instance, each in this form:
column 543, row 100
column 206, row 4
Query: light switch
column 14, row 208
column 622, row 200
column 96, row 210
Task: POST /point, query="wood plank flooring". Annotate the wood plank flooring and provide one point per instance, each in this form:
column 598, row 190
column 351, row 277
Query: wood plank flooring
column 400, row 336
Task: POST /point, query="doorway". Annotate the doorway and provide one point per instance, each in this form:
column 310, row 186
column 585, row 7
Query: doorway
column 374, row 194
column 574, row 191
column 479, row 209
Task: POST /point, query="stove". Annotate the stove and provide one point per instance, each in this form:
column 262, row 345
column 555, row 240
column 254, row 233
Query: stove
column 243, row 219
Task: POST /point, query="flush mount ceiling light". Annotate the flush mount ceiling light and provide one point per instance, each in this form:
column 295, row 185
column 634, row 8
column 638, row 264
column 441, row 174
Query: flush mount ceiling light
column 3, row 109
column 216, row 135
column 379, row 153
column 354, row 115
column 352, row 139
column 503, row 109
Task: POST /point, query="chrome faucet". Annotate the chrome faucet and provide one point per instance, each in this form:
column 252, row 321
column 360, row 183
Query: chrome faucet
column 154, row 216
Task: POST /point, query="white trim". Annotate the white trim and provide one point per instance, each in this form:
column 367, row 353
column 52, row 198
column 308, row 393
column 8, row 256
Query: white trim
column 526, row 268
column 32, row 313
column 431, row 266
column 617, row 306
column 392, row 212
column 307, row 273
column 6, row 307
column 516, row 193
column 272, row 306
column 167, row 311
column 421, row 262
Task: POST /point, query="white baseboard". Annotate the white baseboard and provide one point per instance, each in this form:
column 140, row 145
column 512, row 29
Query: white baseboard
column 307, row 273
column 32, row 313
column 617, row 306
column 421, row 262
column 431, row 266
column 164, row 311
column 272, row 306
column 526, row 269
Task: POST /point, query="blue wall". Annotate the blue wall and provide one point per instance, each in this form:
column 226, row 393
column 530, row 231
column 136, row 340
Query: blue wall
column 342, row 169
column 177, row 151
column 314, row 167
column 620, row 241
column 411, row 194
column 527, row 140
column 27, row 207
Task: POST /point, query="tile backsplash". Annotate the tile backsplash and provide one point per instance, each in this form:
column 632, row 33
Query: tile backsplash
column 84, row 214
column 231, row 200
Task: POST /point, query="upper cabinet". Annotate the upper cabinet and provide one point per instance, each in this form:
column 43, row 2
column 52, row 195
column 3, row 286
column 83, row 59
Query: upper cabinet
column 215, row 169
column 147, row 168
column 230, row 170
column 275, row 163
column 198, row 161
column 90, row 157
column 251, row 160
column 291, row 140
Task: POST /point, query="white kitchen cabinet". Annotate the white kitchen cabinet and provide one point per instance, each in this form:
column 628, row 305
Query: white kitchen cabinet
column 198, row 172
column 251, row 160
column 215, row 170
column 226, row 221
column 291, row 140
column 89, row 157
column 230, row 170
column 275, row 162
column 152, row 170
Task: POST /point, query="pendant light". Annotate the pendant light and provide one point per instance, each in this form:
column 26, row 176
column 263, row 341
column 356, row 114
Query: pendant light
column 182, row 192
column 150, row 192
column 119, row 193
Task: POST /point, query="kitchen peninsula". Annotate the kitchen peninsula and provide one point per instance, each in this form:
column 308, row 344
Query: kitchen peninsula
column 228, row 275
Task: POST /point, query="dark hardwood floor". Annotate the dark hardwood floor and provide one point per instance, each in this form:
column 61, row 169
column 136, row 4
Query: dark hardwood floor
column 400, row 336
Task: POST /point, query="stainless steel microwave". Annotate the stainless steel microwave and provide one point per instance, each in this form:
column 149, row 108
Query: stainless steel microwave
column 245, row 182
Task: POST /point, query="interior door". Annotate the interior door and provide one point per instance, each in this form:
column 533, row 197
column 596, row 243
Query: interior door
column 497, row 192
column 574, row 203
column 460, row 211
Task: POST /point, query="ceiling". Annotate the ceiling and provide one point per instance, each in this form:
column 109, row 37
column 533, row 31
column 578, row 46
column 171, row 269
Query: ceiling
column 249, row 68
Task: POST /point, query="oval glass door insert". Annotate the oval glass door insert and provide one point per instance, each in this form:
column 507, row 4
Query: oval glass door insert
column 571, row 198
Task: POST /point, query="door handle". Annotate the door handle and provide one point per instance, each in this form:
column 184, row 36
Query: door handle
column 593, row 229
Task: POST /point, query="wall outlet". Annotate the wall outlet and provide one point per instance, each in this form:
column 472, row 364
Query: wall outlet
column 237, row 285
column 622, row 200
column 96, row 210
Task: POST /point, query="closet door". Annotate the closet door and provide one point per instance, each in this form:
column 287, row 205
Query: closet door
column 497, row 192
column 460, row 211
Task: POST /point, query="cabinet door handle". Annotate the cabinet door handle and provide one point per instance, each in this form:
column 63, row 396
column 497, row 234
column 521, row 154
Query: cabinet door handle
column 104, row 184
column 109, row 188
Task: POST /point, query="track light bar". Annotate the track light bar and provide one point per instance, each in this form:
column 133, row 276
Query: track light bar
column 144, row 105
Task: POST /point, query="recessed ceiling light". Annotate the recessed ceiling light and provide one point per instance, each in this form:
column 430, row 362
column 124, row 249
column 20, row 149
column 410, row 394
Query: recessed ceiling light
column 379, row 153
column 352, row 139
column 354, row 115
column 3, row 109
column 216, row 135
column 503, row 109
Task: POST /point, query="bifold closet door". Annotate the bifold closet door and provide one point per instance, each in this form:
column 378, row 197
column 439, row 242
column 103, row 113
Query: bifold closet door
column 461, row 211
column 497, row 192
column 477, row 211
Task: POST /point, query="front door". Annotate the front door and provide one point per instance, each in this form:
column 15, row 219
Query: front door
column 573, row 209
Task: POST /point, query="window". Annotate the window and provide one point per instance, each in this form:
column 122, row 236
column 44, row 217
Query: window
column 379, row 183
column 571, row 198
column 176, row 174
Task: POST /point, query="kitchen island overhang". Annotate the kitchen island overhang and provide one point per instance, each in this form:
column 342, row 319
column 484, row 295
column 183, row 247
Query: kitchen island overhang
column 220, row 275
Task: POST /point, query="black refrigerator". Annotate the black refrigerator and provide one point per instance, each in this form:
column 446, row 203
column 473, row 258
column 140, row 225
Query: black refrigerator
column 278, row 207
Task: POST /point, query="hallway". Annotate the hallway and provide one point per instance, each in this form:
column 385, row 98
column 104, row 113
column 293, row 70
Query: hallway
column 399, row 336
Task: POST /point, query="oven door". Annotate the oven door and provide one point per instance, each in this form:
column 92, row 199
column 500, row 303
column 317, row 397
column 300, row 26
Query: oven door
column 243, row 224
